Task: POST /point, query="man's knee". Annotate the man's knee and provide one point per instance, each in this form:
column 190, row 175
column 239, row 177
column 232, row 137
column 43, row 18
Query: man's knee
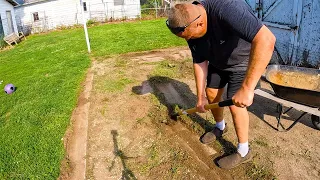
column 214, row 95
column 237, row 110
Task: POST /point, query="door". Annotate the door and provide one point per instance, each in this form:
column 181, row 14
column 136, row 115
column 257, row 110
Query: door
column 283, row 17
column 295, row 23
column 10, row 22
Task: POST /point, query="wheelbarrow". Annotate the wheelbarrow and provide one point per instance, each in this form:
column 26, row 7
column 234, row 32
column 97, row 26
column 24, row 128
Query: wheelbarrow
column 294, row 87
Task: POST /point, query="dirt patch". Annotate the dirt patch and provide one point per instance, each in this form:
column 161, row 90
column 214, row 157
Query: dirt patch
column 75, row 140
column 292, row 154
column 131, row 136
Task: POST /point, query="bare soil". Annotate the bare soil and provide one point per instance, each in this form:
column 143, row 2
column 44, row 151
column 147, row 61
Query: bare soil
column 131, row 136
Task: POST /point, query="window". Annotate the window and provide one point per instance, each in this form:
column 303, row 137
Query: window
column 85, row 6
column 35, row 16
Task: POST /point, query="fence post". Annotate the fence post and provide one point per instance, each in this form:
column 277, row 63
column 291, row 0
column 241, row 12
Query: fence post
column 156, row 7
column 85, row 27
column 104, row 8
column 139, row 8
column 89, row 10
column 107, row 11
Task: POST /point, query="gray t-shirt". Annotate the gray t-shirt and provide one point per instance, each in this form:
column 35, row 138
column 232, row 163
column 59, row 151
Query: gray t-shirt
column 231, row 28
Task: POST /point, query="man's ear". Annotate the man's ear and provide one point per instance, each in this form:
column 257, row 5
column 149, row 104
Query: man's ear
column 200, row 24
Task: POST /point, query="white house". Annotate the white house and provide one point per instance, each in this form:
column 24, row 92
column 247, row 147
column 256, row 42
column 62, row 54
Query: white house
column 115, row 9
column 42, row 15
column 7, row 17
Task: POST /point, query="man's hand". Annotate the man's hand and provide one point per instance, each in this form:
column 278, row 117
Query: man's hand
column 243, row 97
column 201, row 103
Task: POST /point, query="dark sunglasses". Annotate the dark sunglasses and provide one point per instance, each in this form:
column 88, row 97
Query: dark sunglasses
column 176, row 30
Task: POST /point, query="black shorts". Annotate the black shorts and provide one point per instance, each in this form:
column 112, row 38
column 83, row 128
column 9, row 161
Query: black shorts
column 218, row 79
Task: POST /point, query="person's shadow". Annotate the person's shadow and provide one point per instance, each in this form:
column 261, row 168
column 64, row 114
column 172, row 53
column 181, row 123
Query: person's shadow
column 171, row 92
column 126, row 172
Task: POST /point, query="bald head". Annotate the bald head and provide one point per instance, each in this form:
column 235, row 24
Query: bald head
column 181, row 14
column 188, row 21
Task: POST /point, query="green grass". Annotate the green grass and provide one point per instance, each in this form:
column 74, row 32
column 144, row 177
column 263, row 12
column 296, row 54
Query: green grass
column 153, row 159
column 47, row 70
column 2, row 43
column 128, row 37
column 256, row 171
column 165, row 68
column 261, row 142
column 116, row 85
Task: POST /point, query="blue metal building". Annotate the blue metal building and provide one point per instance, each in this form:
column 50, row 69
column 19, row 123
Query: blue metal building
column 296, row 24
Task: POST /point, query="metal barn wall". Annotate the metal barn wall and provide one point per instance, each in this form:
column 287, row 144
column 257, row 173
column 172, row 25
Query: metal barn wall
column 296, row 24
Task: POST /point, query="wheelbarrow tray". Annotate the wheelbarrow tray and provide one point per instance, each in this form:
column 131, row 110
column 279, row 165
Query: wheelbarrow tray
column 296, row 84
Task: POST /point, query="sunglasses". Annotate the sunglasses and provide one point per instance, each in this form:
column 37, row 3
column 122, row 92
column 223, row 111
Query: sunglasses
column 176, row 30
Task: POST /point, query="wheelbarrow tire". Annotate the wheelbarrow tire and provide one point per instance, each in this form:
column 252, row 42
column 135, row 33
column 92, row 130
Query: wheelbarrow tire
column 315, row 121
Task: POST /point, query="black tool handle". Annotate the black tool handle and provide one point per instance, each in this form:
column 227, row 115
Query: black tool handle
column 228, row 102
column 219, row 104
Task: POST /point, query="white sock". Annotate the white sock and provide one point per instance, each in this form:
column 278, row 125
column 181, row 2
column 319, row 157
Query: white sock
column 243, row 149
column 221, row 125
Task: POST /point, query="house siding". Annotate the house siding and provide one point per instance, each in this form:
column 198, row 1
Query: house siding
column 55, row 13
column 112, row 9
column 51, row 15
column 6, row 6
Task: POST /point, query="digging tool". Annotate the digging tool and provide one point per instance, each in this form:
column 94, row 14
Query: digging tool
column 179, row 112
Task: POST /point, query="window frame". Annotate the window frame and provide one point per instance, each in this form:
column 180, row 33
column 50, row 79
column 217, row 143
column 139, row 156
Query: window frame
column 85, row 8
column 35, row 16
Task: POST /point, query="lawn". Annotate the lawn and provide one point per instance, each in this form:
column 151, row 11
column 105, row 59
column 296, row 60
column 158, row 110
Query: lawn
column 47, row 70
column 131, row 37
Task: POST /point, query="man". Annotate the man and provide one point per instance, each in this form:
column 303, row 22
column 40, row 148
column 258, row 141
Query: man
column 231, row 46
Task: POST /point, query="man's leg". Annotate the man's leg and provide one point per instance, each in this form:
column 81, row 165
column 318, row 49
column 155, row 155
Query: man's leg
column 216, row 82
column 241, row 122
column 215, row 95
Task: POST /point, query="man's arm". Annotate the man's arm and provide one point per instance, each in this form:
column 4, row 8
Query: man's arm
column 200, row 72
column 261, row 51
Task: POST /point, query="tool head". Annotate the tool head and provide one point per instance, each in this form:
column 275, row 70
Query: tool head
column 176, row 112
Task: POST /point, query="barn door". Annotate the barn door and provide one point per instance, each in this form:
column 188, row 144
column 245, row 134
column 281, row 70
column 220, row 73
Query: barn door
column 283, row 17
